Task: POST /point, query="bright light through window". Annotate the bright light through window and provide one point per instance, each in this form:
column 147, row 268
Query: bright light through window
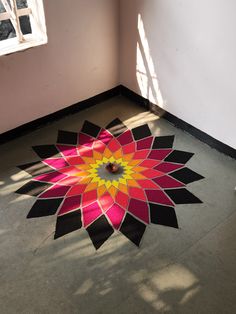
column 22, row 25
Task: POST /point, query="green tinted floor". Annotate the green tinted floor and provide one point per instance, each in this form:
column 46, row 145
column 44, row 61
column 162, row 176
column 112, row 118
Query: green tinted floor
column 186, row 270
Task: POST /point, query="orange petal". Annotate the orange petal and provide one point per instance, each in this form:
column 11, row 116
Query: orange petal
column 137, row 176
column 123, row 188
column 83, row 167
column 107, row 153
column 101, row 190
column 139, row 169
column 132, row 183
column 85, row 180
column 112, row 190
column 97, row 155
column 128, row 157
column 91, row 186
column 118, row 154
column 134, row 162
column 82, row 174
column 89, row 160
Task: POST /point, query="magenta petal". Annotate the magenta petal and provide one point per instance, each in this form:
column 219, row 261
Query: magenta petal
column 51, row 177
column 67, row 150
column 125, row 138
column 85, row 139
column 56, row 163
column 91, row 213
column 159, row 154
column 104, row 136
column 146, row 143
column 116, row 214
column 167, row 167
column 139, row 209
column 167, row 182
column 55, row 191
column 70, row 204
column 159, row 197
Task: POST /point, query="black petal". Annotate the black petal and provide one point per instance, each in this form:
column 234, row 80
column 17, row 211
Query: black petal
column 90, row 128
column 33, row 188
column 99, row 231
column 179, row 156
column 163, row 142
column 116, row 127
column 65, row 137
column 163, row 215
column 68, row 223
column 46, row 151
column 43, row 208
column 141, row 131
column 133, row 229
column 35, row 168
column 182, row 196
column 186, row 175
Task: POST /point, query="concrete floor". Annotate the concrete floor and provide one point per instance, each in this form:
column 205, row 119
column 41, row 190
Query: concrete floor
column 190, row 270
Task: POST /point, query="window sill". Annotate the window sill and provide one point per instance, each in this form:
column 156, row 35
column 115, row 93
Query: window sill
column 12, row 45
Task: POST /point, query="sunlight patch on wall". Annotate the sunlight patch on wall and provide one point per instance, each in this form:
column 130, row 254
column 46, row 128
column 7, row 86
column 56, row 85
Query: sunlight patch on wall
column 145, row 69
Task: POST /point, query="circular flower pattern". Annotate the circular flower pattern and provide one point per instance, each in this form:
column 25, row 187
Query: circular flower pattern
column 72, row 180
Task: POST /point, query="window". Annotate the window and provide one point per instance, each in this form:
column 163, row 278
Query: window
column 22, row 25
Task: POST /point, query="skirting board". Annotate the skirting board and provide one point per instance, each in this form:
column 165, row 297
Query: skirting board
column 35, row 124
column 202, row 136
column 124, row 91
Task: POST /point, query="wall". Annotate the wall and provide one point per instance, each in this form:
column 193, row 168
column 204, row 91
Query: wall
column 79, row 61
column 185, row 59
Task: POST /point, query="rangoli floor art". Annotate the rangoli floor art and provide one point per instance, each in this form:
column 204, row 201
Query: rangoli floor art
column 109, row 179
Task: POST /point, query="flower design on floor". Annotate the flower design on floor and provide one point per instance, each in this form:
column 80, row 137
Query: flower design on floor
column 107, row 179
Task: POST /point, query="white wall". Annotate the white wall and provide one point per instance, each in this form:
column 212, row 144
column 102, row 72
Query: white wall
column 187, row 59
column 79, row 61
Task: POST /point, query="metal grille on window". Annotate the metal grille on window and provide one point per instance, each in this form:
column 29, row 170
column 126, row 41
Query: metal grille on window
column 14, row 19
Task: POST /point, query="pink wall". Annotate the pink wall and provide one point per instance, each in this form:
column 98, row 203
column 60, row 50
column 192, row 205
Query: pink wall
column 79, row 61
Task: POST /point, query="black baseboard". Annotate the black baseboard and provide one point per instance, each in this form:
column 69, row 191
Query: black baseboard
column 126, row 92
column 35, row 124
column 204, row 137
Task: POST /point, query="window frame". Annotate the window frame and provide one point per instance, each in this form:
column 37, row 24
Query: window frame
column 35, row 11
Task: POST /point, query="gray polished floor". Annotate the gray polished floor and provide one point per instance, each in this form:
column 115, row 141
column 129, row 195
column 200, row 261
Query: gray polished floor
column 189, row 270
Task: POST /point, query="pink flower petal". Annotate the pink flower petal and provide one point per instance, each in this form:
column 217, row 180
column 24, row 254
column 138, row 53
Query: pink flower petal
column 115, row 215
column 145, row 143
column 122, row 199
column 85, row 140
column 56, row 163
column 137, row 193
column 91, row 213
column 70, row 204
column 89, row 197
column 76, row 190
column 55, row 191
column 129, row 149
column 167, row 167
column 159, row 154
column 104, row 136
column 149, row 163
column 114, row 145
column 106, row 201
column 125, row 138
column 139, row 209
column 51, row 177
column 168, row 182
column 159, row 197
column 67, row 150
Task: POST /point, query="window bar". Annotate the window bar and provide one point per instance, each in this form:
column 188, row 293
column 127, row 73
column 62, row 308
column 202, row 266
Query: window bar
column 12, row 11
